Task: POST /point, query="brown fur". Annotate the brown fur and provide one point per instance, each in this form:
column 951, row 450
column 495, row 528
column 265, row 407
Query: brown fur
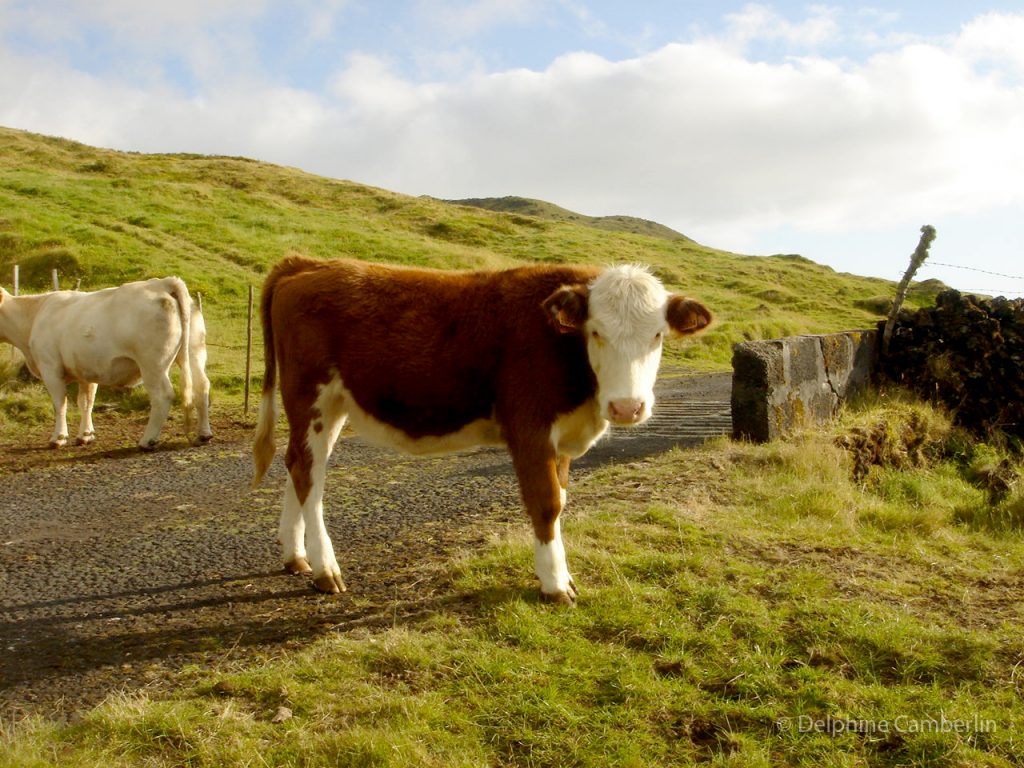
column 424, row 351
column 686, row 316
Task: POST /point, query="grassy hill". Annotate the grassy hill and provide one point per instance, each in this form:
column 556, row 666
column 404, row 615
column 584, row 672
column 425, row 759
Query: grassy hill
column 106, row 217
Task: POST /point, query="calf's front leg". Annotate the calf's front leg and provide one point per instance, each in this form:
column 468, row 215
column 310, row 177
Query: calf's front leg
column 542, row 480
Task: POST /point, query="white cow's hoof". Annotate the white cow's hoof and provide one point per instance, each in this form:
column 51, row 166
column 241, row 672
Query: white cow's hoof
column 329, row 583
column 297, row 565
column 60, row 442
column 148, row 447
column 204, row 439
column 86, row 439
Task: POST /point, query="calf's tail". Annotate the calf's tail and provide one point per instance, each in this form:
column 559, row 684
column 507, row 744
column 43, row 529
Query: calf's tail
column 180, row 292
column 263, row 447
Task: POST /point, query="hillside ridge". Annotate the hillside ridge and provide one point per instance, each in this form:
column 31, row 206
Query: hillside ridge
column 541, row 209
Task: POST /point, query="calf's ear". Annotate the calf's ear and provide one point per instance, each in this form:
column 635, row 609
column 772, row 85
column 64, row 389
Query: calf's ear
column 566, row 308
column 686, row 316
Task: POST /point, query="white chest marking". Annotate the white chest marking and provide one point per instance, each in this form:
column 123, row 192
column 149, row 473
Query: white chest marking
column 575, row 432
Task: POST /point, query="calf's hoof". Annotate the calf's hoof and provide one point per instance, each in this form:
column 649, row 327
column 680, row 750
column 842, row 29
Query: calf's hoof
column 204, row 439
column 297, row 565
column 148, row 447
column 86, row 439
column 329, row 583
column 562, row 599
column 566, row 597
column 60, row 442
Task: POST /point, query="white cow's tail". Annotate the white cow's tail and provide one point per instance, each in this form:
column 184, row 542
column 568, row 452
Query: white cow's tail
column 180, row 292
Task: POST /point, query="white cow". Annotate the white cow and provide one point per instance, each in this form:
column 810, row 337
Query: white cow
column 116, row 337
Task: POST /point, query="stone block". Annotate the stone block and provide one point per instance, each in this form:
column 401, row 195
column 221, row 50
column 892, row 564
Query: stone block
column 782, row 385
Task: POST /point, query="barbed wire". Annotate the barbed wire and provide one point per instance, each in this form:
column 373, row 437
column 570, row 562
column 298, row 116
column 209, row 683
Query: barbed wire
column 225, row 346
column 972, row 269
column 991, row 291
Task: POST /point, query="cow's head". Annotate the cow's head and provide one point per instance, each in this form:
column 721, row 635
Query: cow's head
column 624, row 315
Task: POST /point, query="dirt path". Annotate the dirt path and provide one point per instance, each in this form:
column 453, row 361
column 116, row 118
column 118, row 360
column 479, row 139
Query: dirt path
column 117, row 568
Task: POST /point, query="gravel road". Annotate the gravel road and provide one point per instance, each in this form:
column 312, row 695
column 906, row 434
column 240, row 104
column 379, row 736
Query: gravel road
column 118, row 568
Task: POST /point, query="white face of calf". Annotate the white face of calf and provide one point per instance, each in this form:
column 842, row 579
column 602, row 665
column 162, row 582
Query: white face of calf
column 624, row 315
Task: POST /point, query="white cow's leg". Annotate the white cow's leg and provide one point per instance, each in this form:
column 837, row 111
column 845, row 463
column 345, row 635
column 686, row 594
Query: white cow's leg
column 161, row 394
column 86, row 397
column 58, row 391
column 201, row 393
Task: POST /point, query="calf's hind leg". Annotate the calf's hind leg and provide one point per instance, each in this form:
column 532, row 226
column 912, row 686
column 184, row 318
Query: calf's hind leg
column 310, row 444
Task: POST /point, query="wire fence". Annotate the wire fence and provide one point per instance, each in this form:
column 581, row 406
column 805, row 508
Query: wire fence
column 991, row 291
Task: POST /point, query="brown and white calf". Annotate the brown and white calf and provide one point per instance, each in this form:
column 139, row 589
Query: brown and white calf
column 116, row 337
column 539, row 359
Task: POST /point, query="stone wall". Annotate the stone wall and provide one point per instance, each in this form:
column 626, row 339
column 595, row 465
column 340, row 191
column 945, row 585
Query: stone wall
column 782, row 385
column 967, row 353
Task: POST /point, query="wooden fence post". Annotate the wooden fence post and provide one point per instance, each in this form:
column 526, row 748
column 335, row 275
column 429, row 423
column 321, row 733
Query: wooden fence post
column 56, row 282
column 16, row 278
column 916, row 260
column 248, row 350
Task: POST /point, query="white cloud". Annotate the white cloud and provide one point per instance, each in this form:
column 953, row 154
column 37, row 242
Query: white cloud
column 761, row 22
column 371, row 89
column 697, row 135
column 994, row 39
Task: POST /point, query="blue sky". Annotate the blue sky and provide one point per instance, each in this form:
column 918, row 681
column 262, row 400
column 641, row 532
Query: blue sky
column 834, row 130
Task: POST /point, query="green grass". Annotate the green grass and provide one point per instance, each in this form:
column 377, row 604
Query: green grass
column 732, row 597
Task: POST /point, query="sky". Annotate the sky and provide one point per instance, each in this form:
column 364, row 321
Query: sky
column 833, row 130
